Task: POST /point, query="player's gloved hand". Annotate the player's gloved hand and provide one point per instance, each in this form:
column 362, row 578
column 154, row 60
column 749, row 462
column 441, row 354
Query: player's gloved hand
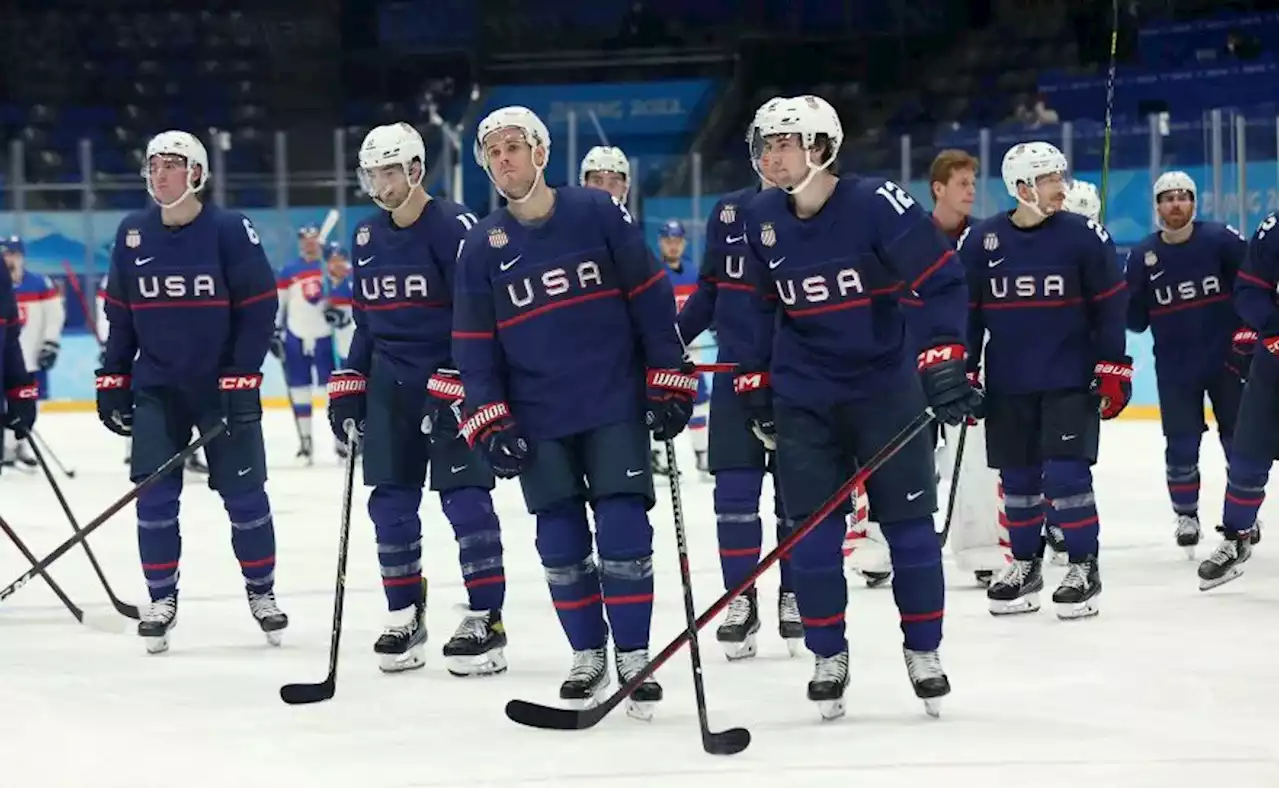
column 1112, row 385
column 670, row 396
column 277, row 343
column 115, row 401
column 48, row 355
column 951, row 396
column 442, row 412
column 757, row 398
column 492, row 427
column 20, row 415
column 346, row 392
column 241, row 398
column 1271, row 343
column 336, row 317
column 981, row 411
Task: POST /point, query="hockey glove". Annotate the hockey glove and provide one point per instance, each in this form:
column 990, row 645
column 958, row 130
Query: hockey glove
column 346, row 391
column 336, row 318
column 1272, row 344
column 1112, row 385
column 493, row 428
column 241, row 398
column 20, row 416
column 442, row 412
column 951, row 396
column 670, row 397
column 48, row 355
column 757, row 399
column 1243, row 342
column 277, row 343
column 115, row 402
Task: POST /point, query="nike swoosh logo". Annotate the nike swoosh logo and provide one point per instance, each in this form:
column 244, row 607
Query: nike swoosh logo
column 776, row 263
column 509, row 263
column 633, row 474
column 1157, row 275
column 364, row 260
column 243, row 471
column 914, row 495
column 1068, row 437
column 143, row 260
column 457, row 468
column 733, row 239
column 994, row 263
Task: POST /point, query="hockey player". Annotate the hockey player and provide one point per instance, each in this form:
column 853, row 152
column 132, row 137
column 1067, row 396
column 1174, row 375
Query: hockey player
column 1082, row 199
column 20, row 389
column 736, row 458
column 338, row 312
column 673, row 245
column 191, row 304
column 398, row 384
column 605, row 167
column 1180, row 281
column 560, row 311
column 1046, row 290
column 1254, row 448
column 832, row 378
column 41, row 315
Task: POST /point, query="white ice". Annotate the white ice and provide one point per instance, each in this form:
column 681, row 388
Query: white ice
column 1169, row 687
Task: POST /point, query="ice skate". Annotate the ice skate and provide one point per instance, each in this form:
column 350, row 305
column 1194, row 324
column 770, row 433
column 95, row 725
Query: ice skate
column 268, row 615
column 657, row 465
column 588, row 678
column 983, row 577
column 195, row 465
column 340, row 449
column 826, row 688
column 927, row 679
column 1257, row 532
column 476, row 646
column 700, row 462
column 790, row 627
column 1057, row 545
column 400, row 647
column 304, row 450
column 158, row 620
column 1017, row 590
column 1187, row 534
column 737, row 635
column 876, row 579
column 1226, row 562
column 1077, row 596
column 643, row 702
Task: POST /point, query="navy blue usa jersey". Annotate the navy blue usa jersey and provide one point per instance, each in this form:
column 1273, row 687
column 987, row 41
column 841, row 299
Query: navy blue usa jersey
column 1050, row 298
column 1255, row 290
column 917, row 325
column 1182, row 292
column 723, row 266
column 188, row 302
column 560, row 319
column 837, row 278
column 402, row 290
column 12, row 366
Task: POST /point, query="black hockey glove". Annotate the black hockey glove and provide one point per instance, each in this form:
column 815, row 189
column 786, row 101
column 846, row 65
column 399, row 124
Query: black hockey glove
column 115, row 402
column 277, row 343
column 757, row 399
column 946, row 385
column 505, row 447
column 670, row 395
column 346, row 391
column 48, row 355
column 336, row 317
column 442, row 412
column 20, row 399
column 241, row 398
column 1243, row 342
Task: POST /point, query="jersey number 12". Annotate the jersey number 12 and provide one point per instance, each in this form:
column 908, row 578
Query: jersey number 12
column 896, row 197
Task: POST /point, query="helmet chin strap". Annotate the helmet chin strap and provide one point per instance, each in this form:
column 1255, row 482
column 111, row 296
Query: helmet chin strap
column 814, row 169
column 537, row 176
column 378, row 201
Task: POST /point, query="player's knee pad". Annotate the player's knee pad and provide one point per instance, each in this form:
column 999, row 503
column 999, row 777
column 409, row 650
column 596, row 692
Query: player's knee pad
column 1064, row 478
column 564, row 537
column 623, row 531
column 1248, row 474
column 468, row 509
column 912, row 543
column 394, row 512
column 820, row 549
column 737, row 491
column 1182, row 451
column 1022, row 481
column 159, row 503
column 248, row 510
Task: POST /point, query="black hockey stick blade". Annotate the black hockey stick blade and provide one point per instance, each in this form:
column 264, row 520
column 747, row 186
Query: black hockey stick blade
column 536, row 715
column 730, row 742
column 301, row 694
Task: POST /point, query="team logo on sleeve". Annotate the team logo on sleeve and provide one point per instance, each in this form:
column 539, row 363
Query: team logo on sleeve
column 990, row 242
column 133, row 239
column 728, row 214
column 362, row 236
column 498, row 238
column 768, row 236
column 1150, row 259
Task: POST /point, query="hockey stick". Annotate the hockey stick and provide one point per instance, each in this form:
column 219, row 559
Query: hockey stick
column 90, row 319
column 955, row 482
column 536, row 715
column 70, row 473
column 113, row 625
column 123, row 608
column 1111, row 94
column 734, row 740
column 173, row 463
column 295, row 694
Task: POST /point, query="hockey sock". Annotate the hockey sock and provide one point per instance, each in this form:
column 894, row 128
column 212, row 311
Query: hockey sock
column 1181, row 471
column 301, row 397
column 738, row 529
column 783, row 530
column 253, row 538
column 1246, row 490
column 918, row 587
column 394, row 511
column 624, row 540
column 1024, row 510
column 817, row 575
column 1069, row 504
column 564, row 545
column 475, row 526
column 159, row 540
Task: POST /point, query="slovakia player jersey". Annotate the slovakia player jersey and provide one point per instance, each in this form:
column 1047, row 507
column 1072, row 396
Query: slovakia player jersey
column 302, row 299
column 41, row 313
column 12, row 369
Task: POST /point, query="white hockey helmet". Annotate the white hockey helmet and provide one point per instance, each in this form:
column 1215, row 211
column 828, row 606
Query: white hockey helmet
column 1082, row 198
column 1026, row 162
column 189, row 148
column 532, row 130
column 1172, row 181
column 807, row 116
column 388, row 146
column 604, row 158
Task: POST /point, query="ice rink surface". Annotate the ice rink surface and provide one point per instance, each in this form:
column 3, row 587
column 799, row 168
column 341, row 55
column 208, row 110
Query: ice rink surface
column 1168, row 687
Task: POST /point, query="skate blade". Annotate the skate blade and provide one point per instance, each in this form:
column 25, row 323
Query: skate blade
column 1227, row 577
column 795, row 646
column 933, row 707
column 1190, row 550
column 398, row 663
column 1059, row 558
column 1070, row 611
column 830, row 709
column 156, row 645
column 1029, row 603
column 274, row 637
column 642, row 710
column 745, row 649
column 490, row 663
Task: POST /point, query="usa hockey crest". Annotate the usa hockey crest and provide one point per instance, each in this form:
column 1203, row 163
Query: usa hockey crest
column 362, row 236
column 133, row 239
column 767, row 235
column 498, row 238
column 990, row 242
column 1150, row 259
column 728, row 214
